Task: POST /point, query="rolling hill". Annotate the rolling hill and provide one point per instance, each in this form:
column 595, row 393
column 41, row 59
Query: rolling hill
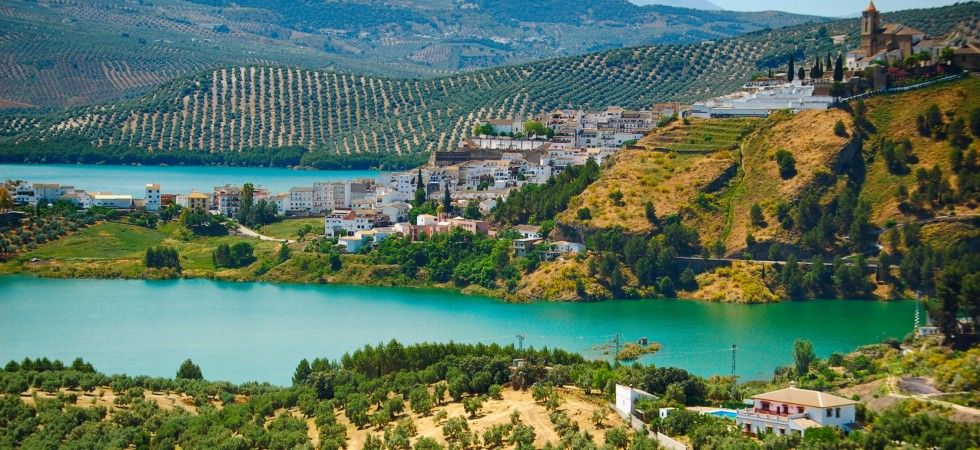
column 714, row 187
column 57, row 54
column 316, row 117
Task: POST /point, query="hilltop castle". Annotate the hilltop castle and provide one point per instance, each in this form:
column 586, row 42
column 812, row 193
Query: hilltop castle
column 890, row 42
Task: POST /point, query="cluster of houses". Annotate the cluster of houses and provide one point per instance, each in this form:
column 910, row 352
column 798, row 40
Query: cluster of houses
column 24, row 192
column 355, row 212
column 356, row 229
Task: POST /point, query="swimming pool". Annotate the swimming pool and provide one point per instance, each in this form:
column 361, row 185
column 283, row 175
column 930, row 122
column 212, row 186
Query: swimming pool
column 722, row 413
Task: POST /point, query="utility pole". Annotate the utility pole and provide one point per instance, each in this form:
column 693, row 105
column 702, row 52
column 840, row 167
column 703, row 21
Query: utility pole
column 734, row 376
column 616, row 340
column 918, row 304
column 520, row 344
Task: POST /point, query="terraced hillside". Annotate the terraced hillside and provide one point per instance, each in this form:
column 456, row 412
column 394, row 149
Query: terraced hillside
column 320, row 115
column 716, row 189
column 56, row 53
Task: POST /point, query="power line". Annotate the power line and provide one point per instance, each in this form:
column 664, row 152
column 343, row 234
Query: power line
column 734, row 375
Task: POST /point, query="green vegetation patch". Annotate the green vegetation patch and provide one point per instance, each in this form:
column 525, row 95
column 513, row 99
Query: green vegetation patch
column 289, row 228
column 107, row 240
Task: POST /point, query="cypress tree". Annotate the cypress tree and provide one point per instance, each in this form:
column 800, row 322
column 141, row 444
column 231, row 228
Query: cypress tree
column 789, row 72
column 447, row 201
column 839, row 69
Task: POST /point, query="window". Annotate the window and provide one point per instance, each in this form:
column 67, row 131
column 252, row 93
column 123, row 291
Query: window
column 829, row 412
column 837, row 413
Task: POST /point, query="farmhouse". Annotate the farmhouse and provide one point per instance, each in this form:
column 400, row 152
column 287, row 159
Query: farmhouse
column 794, row 410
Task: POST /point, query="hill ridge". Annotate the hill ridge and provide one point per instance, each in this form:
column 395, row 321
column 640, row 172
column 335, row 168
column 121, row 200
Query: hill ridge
column 324, row 114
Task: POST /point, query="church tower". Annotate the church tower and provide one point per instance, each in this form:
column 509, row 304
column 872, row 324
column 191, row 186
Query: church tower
column 869, row 20
column 870, row 25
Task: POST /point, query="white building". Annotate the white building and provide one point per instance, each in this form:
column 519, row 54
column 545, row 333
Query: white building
column 529, row 231
column 328, row 196
column 351, row 244
column 506, row 126
column 426, row 220
column 300, row 200
column 281, row 201
column 626, row 398
column 152, row 197
column 761, row 101
column 793, row 410
column 351, row 221
column 569, row 247
column 396, row 211
column 109, row 200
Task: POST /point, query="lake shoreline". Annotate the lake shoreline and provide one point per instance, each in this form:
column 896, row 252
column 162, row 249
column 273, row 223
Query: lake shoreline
column 225, row 326
column 469, row 291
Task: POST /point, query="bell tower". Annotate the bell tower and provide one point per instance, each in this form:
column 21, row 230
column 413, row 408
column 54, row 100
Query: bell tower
column 870, row 24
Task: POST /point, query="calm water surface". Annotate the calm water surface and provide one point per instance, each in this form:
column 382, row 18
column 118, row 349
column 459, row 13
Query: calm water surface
column 175, row 180
column 253, row 331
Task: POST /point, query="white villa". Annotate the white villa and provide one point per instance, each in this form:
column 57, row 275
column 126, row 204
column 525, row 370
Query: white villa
column 794, row 410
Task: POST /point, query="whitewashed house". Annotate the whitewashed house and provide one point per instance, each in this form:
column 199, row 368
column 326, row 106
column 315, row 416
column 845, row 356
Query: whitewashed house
column 794, row 410
column 396, row 211
column 351, row 244
column 351, row 221
column 529, row 231
column 626, row 398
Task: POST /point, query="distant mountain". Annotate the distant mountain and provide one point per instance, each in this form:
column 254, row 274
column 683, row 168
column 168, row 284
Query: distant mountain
column 693, row 4
column 275, row 115
column 55, row 54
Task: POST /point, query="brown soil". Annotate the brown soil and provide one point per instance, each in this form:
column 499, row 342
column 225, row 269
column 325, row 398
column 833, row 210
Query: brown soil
column 577, row 405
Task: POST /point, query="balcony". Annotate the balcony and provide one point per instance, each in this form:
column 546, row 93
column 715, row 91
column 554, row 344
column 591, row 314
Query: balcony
column 770, row 415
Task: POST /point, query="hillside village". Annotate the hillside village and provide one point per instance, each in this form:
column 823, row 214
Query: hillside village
column 461, row 188
column 849, row 176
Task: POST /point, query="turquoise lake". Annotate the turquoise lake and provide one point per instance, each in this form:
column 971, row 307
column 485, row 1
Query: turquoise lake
column 254, row 331
column 174, row 180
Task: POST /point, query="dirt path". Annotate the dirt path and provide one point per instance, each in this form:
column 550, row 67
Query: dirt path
column 252, row 233
column 925, row 391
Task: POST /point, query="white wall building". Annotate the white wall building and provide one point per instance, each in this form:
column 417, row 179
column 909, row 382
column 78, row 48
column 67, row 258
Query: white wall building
column 626, row 398
column 152, row 197
column 350, row 221
column 300, row 200
column 109, row 200
column 762, row 102
column 793, row 410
